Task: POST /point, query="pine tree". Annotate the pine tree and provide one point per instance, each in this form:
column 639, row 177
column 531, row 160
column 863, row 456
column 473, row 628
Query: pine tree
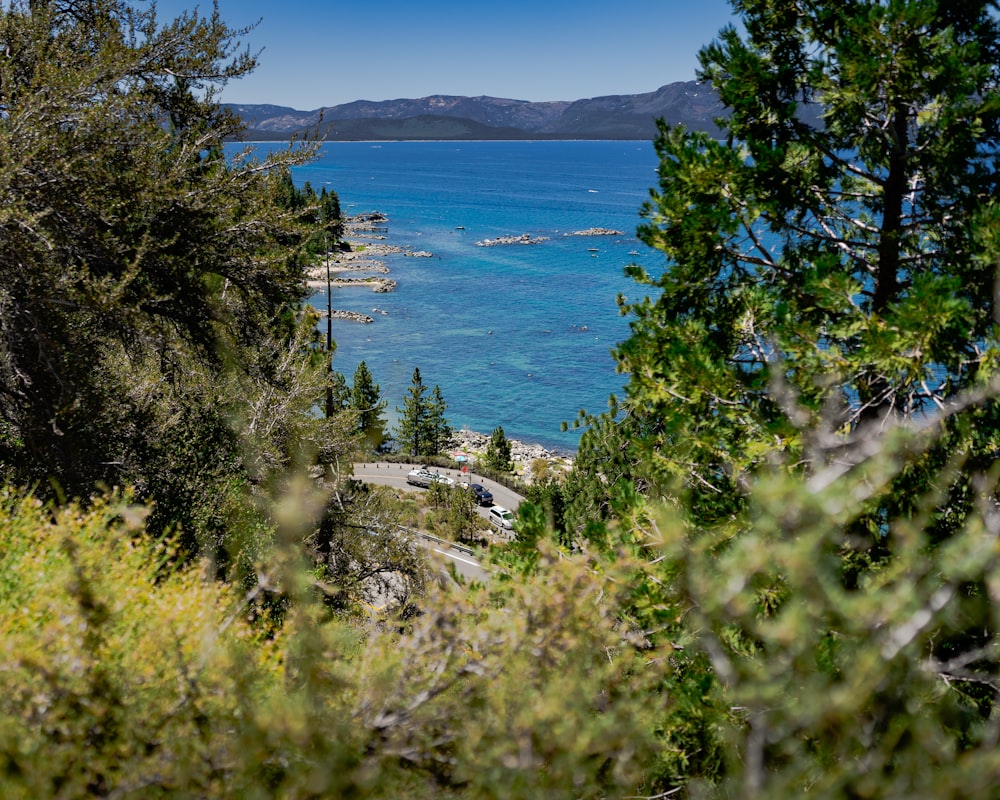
column 366, row 400
column 411, row 432
column 497, row 454
column 342, row 392
column 813, row 400
column 331, row 215
column 824, row 257
column 439, row 430
column 423, row 429
column 150, row 286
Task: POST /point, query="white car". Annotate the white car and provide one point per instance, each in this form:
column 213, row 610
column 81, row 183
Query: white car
column 501, row 518
column 424, row 477
column 421, row 477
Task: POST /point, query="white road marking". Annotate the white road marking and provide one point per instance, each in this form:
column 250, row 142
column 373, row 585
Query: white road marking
column 446, row 554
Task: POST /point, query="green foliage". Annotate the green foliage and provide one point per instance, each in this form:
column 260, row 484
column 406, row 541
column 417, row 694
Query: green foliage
column 462, row 522
column 437, row 495
column 360, row 553
column 689, row 712
column 554, row 698
column 366, row 400
column 341, row 392
column 884, row 687
column 606, row 464
column 439, row 431
column 823, row 259
column 550, row 497
column 411, row 431
column 320, row 212
column 121, row 673
column 150, row 287
column 828, row 277
column 124, row 675
column 804, row 457
column 423, row 429
column 497, row 454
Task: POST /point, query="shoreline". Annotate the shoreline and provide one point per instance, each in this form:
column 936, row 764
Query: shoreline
column 366, row 234
column 522, row 453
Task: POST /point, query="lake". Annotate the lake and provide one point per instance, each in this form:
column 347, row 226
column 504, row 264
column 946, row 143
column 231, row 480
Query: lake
column 517, row 336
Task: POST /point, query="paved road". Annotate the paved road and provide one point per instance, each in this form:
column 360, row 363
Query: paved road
column 466, row 564
column 441, row 555
column 386, row 474
column 383, row 473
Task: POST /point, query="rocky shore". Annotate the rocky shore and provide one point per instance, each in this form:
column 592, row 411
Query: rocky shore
column 378, row 285
column 522, row 453
column 527, row 238
column 352, row 316
column 365, row 235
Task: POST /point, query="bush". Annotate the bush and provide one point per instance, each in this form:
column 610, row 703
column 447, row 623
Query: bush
column 119, row 671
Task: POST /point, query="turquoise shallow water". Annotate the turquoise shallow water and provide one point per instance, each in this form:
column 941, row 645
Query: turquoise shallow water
column 518, row 335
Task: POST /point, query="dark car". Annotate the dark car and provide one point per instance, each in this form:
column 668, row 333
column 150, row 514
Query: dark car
column 483, row 495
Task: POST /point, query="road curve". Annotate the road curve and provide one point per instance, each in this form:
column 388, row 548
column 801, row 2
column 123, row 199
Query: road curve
column 384, row 473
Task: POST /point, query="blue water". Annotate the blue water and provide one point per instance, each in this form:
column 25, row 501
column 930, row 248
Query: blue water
column 518, row 335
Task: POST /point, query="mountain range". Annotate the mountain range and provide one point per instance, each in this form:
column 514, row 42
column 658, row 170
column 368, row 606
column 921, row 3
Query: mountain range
column 631, row 116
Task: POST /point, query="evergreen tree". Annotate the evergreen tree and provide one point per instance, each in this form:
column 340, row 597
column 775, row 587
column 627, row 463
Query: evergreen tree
column 439, row 431
column 423, row 429
column 342, row 392
column 497, row 454
column 331, row 215
column 812, row 397
column 151, row 286
column 366, row 400
column 605, row 462
column 823, row 257
column 411, row 432
column 461, row 519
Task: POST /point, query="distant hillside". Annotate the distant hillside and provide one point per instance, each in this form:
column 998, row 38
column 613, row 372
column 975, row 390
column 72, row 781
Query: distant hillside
column 449, row 117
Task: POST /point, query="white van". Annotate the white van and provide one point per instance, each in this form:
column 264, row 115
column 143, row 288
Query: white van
column 501, row 518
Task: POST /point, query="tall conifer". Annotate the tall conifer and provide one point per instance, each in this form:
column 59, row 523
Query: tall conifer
column 366, row 400
column 824, row 261
column 411, row 432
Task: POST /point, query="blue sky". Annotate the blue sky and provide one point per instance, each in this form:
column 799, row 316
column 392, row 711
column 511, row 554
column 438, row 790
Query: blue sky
column 316, row 53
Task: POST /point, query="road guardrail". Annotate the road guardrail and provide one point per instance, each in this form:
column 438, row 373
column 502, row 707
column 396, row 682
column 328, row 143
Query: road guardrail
column 431, row 538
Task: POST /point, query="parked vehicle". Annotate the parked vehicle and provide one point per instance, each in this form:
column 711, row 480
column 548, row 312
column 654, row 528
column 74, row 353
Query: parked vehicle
column 483, row 495
column 420, row 477
column 424, row 477
column 501, row 518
